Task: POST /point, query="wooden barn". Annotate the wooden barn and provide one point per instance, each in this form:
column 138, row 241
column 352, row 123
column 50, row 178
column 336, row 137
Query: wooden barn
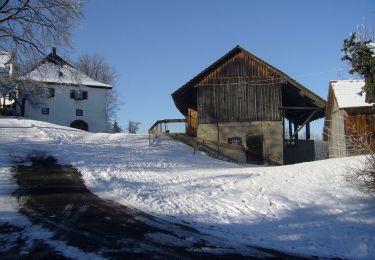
column 242, row 100
column 348, row 116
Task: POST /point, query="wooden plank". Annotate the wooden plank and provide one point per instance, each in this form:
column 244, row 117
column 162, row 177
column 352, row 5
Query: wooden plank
column 300, row 108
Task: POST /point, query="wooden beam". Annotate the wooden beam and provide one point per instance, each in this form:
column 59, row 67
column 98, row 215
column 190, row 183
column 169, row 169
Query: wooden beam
column 300, row 108
column 304, row 123
column 167, row 121
column 283, row 116
column 290, row 129
column 308, row 131
column 295, row 130
column 200, row 140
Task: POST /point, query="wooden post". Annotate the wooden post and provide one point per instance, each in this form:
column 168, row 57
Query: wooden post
column 295, row 131
column 283, row 115
column 308, row 131
column 290, row 130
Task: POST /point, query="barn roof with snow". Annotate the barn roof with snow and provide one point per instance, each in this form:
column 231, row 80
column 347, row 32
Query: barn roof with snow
column 347, row 114
column 348, row 93
column 54, row 69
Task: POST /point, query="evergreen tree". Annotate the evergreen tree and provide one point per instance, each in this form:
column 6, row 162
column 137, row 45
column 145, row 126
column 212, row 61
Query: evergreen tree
column 116, row 128
column 360, row 55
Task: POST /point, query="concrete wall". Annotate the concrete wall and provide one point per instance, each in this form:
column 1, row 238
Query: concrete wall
column 62, row 109
column 271, row 130
column 336, row 134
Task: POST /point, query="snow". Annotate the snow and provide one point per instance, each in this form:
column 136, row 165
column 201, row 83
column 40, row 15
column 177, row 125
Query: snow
column 308, row 209
column 4, row 58
column 349, row 93
column 49, row 72
column 19, row 138
column 371, row 45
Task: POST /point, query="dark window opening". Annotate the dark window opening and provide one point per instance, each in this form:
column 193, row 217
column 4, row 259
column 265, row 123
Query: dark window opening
column 235, row 140
column 78, row 94
column 79, row 112
column 61, row 74
column 72, row 94
column 51, row 92
column 45, row 111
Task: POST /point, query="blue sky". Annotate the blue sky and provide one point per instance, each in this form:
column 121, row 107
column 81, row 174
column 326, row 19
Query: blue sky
column 157, row 46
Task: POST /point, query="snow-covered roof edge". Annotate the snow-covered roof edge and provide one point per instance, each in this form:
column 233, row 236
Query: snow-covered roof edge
column 54, row 69
column 348, row 93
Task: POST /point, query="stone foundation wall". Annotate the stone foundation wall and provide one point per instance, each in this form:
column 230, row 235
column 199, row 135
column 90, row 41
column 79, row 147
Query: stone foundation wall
column 272, row 132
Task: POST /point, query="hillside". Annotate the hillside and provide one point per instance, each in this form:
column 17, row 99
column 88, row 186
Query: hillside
column 307, row 209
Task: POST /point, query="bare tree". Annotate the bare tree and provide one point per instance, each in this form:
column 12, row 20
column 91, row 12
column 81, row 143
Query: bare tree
column 96, row 67
column 29, row 28
column 132, row 127
column 21, row 91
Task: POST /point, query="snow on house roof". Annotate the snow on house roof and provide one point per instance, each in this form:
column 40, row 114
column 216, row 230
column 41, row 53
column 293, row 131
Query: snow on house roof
column 49, row 72
column 4, row 58
column 54, row 69
column 349, row 93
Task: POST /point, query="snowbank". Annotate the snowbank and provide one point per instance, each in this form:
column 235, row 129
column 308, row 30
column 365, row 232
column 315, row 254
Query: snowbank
column 308, row 208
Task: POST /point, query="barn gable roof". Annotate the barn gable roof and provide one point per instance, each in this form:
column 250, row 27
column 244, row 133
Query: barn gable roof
column 185, row 94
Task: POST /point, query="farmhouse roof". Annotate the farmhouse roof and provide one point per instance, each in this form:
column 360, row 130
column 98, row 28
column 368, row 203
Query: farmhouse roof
column 349, row 93
column 54, row 69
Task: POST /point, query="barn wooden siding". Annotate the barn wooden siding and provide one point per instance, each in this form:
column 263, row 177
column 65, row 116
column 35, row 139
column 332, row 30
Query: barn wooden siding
column 359, row 125
column 241, row 90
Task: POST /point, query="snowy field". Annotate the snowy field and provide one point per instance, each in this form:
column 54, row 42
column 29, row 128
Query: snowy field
column 308, row 209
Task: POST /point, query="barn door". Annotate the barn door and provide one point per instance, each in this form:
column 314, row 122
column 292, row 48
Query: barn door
column 254, row 149
column 192, row 122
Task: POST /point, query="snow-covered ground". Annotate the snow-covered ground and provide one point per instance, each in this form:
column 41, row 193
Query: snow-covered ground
column 307, row 208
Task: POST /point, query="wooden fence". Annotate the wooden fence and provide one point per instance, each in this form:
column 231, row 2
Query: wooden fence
column 160, row 128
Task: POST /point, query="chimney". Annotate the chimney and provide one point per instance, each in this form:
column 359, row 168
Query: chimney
column 53, row 51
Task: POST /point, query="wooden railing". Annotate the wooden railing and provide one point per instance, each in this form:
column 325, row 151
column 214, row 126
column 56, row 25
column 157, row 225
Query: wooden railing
column 160, row 128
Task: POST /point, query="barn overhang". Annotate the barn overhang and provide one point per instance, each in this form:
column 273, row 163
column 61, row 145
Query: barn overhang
column 300, row 104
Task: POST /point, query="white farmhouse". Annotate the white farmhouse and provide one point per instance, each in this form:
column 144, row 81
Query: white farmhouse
column 6, row 69
column 71, row 98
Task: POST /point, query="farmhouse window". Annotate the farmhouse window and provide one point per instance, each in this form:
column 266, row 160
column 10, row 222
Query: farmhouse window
column 79, row 112
column 235, row 140
column 45, row 111
column 78, row 94
column 51, row 92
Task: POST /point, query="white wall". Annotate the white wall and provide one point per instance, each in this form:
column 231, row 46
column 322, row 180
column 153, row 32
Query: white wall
column 62, row 109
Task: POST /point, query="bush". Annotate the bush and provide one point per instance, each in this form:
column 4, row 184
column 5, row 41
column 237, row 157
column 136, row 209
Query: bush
column 364, row 172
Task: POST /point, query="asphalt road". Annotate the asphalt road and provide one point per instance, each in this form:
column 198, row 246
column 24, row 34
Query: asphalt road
column 55, row 197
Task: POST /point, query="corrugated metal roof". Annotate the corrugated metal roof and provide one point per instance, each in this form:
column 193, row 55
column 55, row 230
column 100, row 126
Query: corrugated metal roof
column 349, row 93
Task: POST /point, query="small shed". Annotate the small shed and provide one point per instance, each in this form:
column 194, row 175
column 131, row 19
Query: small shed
column 241, row 99
column 347, row 115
